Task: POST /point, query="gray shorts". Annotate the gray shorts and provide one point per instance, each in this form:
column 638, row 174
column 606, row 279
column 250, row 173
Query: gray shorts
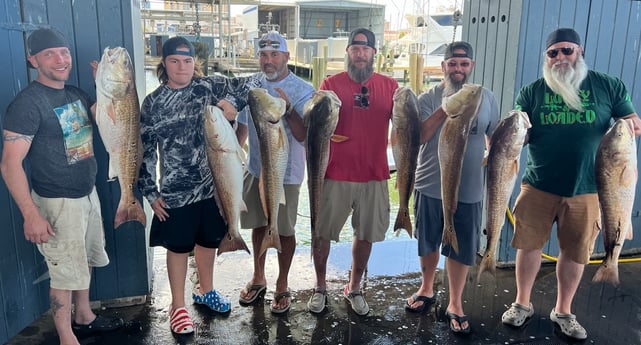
column 428, row 213
column 79, row 241
column 367, row 201
column 254, row 217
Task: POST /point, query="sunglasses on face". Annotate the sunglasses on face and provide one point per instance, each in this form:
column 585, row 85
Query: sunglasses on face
column 567, row 51
column 364, row 97
column 265, row 43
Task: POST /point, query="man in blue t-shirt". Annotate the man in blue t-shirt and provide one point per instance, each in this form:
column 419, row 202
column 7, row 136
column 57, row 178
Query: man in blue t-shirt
column 570, row 109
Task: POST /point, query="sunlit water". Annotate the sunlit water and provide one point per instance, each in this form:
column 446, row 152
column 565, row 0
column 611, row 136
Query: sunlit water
column 303, row 234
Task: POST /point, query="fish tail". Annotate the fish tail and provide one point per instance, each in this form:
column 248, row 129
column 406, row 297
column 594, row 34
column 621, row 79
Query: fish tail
column 128, row 212
column 230, row 244
column 403, row 221
column 607, row 273
column 270, row 240
column 488, row 264
column 449, row 237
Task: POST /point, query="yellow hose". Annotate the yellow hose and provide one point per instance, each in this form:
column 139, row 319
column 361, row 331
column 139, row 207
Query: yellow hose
column 510, row 217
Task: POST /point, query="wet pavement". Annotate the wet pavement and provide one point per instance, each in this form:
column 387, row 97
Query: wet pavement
column 610, row 315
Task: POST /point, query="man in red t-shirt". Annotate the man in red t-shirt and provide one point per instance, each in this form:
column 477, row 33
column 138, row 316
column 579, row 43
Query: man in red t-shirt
column 356, row 177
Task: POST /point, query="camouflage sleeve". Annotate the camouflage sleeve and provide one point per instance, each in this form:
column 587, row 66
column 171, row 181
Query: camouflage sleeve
column 234, row 90
column 239, row 89
column 147, row 174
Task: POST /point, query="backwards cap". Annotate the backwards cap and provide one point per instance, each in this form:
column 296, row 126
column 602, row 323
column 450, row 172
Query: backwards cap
column 370, row 42
column 170, row 47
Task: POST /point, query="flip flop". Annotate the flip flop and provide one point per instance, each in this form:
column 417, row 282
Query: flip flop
column 277, row 297
column 258, row 290
column 427, row 303
column 460, row 320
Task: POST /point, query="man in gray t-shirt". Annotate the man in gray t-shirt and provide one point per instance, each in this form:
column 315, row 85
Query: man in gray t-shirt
column 457, row 67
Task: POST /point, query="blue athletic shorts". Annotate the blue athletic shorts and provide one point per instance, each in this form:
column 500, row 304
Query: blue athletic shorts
column 428, row 214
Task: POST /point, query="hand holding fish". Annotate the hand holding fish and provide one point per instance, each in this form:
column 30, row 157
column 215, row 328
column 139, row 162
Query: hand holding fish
column 229, row 110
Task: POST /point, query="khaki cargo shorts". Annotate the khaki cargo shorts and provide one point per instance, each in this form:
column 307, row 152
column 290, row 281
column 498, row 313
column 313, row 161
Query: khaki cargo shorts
column 79, row 241
column 254, row 217
column 367, row 201
column 577, row 218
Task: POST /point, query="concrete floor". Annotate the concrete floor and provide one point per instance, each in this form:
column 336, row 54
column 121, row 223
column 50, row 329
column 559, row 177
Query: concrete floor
column 610, row 315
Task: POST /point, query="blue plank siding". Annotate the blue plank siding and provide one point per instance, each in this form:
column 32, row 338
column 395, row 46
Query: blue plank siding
column 90, row 26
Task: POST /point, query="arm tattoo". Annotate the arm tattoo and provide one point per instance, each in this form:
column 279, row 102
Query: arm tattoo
column 16, row 137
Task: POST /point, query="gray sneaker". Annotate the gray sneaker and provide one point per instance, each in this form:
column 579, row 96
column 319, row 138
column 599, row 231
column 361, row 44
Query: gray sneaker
column 356, row 300
column 569, row 325
column 517, row 314
column 317, row 301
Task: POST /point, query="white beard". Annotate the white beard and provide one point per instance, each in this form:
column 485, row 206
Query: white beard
column 566, row 82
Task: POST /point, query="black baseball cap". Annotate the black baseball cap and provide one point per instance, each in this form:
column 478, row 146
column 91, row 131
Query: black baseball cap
column 170, row 47
column 563, row 35
column 371, row 40
column 458, row 45
column 42, row 39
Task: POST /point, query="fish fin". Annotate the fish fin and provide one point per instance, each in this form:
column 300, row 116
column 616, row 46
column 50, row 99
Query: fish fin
column 129, row 211
column 337, row 138
column 515, row 167
column 449, row 237
column 488, row 264
column 403, row 221
column 111, row 112
column 261, row 192
column 628, row 176
column 219, row 205
column 231, row 244
column 607, row 273
column 283, row 199
column 393, row 140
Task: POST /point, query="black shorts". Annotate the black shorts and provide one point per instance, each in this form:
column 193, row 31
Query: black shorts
column 198, row 223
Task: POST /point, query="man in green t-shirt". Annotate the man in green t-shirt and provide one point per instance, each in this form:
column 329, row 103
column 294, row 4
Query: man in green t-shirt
column 570, row 109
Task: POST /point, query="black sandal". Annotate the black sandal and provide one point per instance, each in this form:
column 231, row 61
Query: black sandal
column 427, row 303
column 460, row 320
column 98, row 325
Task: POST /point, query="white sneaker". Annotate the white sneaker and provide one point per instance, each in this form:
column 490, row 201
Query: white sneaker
column 356, row 300
column 569, row 325
column 517, row 314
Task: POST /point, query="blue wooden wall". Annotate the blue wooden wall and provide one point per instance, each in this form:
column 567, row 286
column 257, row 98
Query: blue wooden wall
column 509, row 38
column 90, row 26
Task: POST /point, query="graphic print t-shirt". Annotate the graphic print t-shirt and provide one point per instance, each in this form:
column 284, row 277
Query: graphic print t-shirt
column 61, row 155
column 562, row 141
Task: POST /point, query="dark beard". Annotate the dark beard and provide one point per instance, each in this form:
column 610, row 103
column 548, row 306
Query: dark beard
column 567, row 82
column 360, row 75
